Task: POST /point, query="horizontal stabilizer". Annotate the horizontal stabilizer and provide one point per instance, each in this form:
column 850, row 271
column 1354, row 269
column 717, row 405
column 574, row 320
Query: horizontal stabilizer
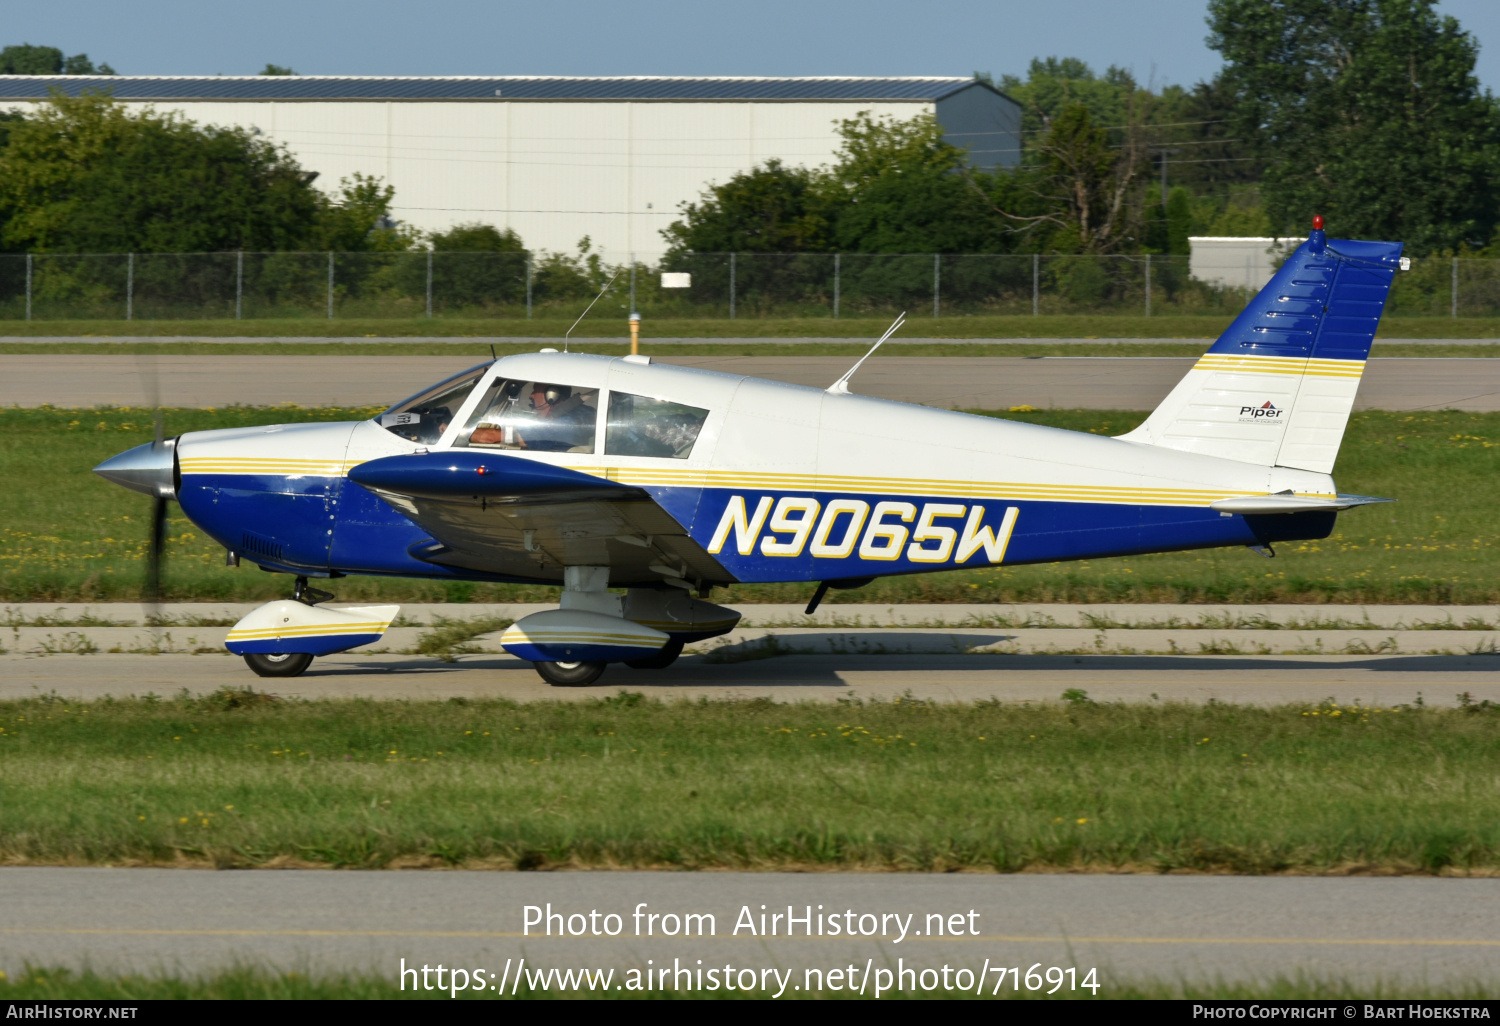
column 1288, row 502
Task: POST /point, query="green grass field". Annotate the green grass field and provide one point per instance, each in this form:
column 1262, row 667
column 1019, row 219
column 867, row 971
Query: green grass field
column 240, row 779
column 67, row 535
column 852, row 350
column 917, row 326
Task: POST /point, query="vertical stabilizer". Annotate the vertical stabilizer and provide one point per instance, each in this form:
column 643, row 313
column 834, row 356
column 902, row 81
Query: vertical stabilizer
column 1277, row 388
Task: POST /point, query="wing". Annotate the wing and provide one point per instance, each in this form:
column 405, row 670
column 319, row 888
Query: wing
column 501, row 514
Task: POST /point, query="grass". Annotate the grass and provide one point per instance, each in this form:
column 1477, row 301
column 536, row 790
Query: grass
column 1103, row 325
column 243, row 779
column 768, row 348
column 66, row 535
column 37, row 983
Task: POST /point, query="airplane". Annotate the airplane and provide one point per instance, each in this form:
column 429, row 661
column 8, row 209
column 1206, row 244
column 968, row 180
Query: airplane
column 639, row 487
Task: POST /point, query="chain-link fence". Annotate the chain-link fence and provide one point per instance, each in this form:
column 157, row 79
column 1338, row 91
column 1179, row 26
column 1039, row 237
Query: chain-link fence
column 167, row 286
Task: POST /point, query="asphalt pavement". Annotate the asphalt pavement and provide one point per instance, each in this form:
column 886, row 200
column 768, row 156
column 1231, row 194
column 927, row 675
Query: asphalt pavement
column 868, row 674
column 958, row 382
column 1432, row 931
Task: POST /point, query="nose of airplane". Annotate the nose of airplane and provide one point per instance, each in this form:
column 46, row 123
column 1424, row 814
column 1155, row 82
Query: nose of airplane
column 148, row 469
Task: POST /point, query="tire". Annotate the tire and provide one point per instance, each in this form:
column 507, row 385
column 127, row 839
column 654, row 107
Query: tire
column 570, row 675
column 658, row 660
column 287, row 664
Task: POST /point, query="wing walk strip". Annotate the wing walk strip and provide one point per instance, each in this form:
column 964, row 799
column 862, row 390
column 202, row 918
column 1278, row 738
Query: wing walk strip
column 501, row 935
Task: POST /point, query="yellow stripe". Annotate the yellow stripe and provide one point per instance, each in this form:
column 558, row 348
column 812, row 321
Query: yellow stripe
column 576, row 638
column 1318, row 368
column 879, row 485
column 250, row 634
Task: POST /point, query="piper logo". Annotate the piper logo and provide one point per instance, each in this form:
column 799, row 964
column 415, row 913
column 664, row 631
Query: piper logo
column 1266, row 410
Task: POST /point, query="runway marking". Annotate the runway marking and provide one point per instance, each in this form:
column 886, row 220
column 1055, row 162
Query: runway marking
column 1007, row 939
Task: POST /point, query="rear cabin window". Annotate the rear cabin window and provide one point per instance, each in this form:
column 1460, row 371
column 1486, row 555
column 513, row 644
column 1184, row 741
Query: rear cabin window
column 424, row 417
column 641, row 426
column 541, row 416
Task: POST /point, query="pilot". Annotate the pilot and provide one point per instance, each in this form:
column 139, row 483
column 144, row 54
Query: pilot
column 562, row 421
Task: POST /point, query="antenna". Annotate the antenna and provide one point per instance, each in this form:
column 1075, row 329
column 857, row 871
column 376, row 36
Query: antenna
column 841, row 386
column 492, row 352
column 587, row 309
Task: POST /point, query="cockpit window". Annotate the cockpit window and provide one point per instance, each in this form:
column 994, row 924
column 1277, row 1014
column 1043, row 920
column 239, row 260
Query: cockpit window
column 542, row 416
column 640, row 426
column 424, row 417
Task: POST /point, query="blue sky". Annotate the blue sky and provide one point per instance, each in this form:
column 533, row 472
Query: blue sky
column 1159, row 39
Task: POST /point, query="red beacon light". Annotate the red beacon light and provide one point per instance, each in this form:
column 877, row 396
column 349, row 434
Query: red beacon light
column 1317, row 222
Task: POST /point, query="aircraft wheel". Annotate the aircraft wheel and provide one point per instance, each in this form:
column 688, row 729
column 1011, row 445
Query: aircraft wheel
column 570, row 675
column 659, row 660
column 285, row 664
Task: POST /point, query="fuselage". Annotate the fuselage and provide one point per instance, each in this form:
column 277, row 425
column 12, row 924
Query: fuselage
column 774, row 482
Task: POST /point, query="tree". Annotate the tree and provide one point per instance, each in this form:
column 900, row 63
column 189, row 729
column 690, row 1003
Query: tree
column 1054, row 84
column 905, row 190
column 357, row 218
column 1371, row 115
column 476, row 237
column 768, row 209
column 86, row 175
column 47, row 60
column 478, row 265
column 277, row 69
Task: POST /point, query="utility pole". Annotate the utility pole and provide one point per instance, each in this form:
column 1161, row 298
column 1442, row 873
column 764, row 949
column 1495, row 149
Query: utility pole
column 1163, row 154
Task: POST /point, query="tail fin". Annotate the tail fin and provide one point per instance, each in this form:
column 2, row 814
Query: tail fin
column 1277, row 387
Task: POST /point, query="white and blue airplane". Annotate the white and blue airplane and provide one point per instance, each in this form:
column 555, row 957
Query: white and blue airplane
column 661, row 482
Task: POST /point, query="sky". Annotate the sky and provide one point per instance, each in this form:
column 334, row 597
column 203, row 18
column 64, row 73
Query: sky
column 1161, row 41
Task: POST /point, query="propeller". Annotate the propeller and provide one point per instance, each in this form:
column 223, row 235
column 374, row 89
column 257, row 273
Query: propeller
column 150, row 469
column 156, row 550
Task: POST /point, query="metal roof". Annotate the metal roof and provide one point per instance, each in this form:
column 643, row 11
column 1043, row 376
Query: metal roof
column 509, row 87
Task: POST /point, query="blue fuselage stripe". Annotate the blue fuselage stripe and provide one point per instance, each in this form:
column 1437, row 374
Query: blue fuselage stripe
column 332, row 525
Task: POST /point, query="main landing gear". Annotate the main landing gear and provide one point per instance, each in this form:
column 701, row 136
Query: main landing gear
column 659, row 660
column 582, row 674
column 570, row 675
column 645, row 628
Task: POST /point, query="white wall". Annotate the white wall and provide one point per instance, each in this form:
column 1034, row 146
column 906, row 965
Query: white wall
column 553, row 171
column 1234, row 261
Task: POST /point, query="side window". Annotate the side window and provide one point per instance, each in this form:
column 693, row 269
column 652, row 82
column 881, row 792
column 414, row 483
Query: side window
column 640, row 426
column 536, row 415
column 425, row 416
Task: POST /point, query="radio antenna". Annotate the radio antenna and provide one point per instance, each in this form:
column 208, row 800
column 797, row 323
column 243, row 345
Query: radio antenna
column 587, row 309
column 841, row 386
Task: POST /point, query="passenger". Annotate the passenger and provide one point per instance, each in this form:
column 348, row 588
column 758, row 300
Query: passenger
column 561, row 421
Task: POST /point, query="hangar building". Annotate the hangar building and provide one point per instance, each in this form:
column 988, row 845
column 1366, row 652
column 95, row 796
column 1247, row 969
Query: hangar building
column 556, row 158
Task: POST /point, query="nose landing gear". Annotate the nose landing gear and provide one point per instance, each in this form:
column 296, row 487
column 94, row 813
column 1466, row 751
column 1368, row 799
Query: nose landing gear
column 288, row 664
column 282, row 664
column 309, row 596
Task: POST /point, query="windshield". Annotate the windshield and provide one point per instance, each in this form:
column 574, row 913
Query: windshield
column 425, row 416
